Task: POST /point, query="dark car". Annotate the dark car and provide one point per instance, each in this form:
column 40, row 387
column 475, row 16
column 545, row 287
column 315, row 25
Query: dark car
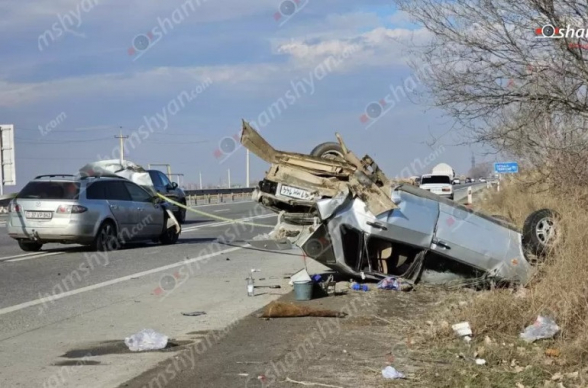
column 170, row 189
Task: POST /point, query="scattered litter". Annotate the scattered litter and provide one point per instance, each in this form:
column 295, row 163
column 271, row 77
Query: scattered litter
column 146, row 339
column 467, row 339
column 286, row 310
column 395, row 283
column 359, row 287
column 462, row 329
column 557, row 376
column 194, row 314
column 228, row 259
column 289, row 380
column 275, row 286
column 244, row 374
column 480, row 361
column 543, row 327
column 391, row 373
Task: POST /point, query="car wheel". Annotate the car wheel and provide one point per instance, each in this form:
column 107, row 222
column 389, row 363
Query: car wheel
column 329, row 150
column 30, row 246
column 106, row 239
column 169, row 236
column 541, row 232
column 181, row 214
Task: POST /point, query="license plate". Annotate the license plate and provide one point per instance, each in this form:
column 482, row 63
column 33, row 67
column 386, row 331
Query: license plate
column 294, row 192
column 39, row 215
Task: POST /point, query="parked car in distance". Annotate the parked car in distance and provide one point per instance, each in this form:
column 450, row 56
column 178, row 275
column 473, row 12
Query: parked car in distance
column 164, row 186
column 482, row 180
column 102, row 213
column 456, row 181
column 437, row 184
column 468, row 180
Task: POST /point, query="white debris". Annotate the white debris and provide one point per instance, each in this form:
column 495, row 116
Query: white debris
column 480, row 361
column 462, row 329
column 146, row 339
column 391, row 373
column 542, row 328
column 300, row 276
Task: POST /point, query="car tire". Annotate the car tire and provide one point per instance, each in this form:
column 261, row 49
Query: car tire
column 169, row 235
column 106, row 238
column 329, row 150
column 30, row 246
column 541, row 232
column 181, row 214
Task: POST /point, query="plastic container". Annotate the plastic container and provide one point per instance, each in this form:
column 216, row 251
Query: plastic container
column 303, row 290
column 360, row 287
column 250, row 287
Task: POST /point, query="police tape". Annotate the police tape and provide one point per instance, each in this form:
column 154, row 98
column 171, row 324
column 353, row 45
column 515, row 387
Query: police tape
column 214, row 216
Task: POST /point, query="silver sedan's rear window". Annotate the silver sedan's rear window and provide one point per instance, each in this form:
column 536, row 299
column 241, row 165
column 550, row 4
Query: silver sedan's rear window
column 50, row 190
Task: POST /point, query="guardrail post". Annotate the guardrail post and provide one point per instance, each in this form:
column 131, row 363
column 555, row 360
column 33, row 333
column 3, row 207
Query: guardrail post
column 220, row 198
column 498, row 186
column 208, row 197
column 470, row 195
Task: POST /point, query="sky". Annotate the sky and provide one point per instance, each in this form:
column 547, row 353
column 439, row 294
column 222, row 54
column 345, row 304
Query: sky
column 177, row 78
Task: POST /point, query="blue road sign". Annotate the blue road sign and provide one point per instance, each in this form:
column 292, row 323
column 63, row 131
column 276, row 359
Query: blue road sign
column 506, row 168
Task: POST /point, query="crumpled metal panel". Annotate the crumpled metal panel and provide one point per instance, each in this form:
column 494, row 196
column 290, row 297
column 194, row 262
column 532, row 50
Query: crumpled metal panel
column 128, row 170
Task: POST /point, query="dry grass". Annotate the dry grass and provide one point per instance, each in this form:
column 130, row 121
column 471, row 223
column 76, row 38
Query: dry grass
column 560, row 288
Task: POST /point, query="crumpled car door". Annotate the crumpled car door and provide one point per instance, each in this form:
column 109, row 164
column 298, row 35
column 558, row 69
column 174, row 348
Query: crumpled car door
column 468, row 238
column 413, row 222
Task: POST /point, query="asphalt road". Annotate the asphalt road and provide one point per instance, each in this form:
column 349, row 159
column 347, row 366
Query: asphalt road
column 66, row 310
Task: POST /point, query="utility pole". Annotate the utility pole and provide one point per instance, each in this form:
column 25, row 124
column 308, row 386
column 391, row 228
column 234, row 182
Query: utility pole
column 229, row 171
column 200, row 174
column 247, row 167
column 122, row 146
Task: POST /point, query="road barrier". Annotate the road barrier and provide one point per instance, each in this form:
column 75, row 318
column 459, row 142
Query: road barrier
column 212, row 196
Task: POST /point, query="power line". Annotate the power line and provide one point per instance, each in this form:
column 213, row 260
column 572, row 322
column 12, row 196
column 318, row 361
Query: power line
column 44, row 142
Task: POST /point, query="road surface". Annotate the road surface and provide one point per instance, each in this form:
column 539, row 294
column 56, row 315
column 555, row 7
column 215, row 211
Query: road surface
column 65, row 311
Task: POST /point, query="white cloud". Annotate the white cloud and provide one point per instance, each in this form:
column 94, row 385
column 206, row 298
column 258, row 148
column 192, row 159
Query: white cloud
column 379, row 47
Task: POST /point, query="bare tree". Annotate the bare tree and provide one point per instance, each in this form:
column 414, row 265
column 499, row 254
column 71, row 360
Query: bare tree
column 505, row 84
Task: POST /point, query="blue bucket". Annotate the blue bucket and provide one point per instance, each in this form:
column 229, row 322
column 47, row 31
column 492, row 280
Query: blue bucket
column 303, row 290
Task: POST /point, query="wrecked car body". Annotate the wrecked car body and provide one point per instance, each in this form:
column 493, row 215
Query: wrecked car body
column 346, row 214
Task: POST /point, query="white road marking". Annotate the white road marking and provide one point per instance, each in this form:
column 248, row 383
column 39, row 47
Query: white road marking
column 97, row 286
column 34, row 257
column 221, row 223
column 31, row 254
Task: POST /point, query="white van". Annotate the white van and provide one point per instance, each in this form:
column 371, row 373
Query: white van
column 437, row 184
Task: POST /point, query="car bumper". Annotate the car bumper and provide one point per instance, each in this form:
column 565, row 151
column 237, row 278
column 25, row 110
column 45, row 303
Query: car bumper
column 74, row 233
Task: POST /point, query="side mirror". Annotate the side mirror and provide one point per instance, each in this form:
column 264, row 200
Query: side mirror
column 174, row 185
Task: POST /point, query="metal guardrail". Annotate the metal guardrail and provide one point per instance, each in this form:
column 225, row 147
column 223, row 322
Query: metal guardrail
column 236, row 190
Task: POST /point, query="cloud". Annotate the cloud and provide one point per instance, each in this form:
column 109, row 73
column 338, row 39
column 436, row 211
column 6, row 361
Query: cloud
column 380, row 47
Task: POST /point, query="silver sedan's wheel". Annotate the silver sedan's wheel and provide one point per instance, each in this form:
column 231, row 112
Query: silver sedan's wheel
column 106, row 239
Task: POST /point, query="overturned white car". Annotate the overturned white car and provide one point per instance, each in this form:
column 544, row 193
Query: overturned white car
column 345, row 213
